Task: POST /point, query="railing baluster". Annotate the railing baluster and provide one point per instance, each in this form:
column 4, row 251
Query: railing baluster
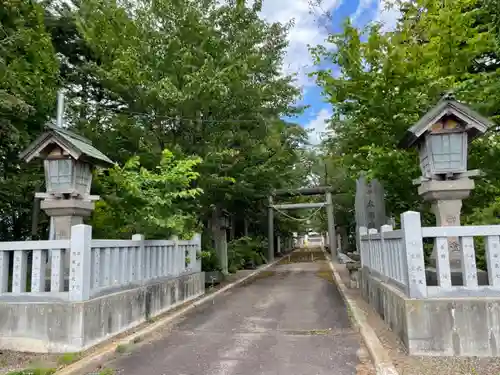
column 38, row 271
column 107, row 276
column 469, row 269
column 123, row 265
column 115, row 265
column 96, row 268
column 4, row 271
column 20, row 271
column 57, row 270
column 493, row 260
column 132, row 264
column 443, row 262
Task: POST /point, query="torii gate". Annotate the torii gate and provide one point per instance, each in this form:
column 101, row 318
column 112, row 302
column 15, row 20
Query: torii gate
column 328, row 204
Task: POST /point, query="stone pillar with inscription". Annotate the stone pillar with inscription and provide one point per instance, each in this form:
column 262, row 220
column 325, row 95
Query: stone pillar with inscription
column 369, row 205
column 446, row 203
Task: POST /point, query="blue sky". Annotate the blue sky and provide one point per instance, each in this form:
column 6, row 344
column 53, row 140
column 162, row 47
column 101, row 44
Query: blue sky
column 309, row 29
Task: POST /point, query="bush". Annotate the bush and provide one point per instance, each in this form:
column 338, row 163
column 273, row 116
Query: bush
column 246, row 253
column 210, row 261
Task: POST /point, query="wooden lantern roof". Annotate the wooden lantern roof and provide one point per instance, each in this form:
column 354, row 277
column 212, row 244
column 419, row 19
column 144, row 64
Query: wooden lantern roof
column 78, row 147
column 474, row 123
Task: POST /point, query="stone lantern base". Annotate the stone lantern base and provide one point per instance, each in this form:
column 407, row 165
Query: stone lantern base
column 446, row 200
column 65, row 213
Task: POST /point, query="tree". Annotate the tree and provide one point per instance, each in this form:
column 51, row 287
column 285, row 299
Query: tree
column 212, row 88
column 389, row 80
column 28, row 81
column 199, row 79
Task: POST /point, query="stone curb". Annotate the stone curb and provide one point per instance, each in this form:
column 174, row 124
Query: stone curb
column 381, row 360
column 110, row 349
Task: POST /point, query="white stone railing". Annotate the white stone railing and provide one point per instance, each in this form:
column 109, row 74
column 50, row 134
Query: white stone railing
column 95, row 266
column 398, row 257
column 17, row 283
column 384, row 254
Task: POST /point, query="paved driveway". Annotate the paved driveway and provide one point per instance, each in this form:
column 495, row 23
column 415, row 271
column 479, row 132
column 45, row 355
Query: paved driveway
column 289, row 322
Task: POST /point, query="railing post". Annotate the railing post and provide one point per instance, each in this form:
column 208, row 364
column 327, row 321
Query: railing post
column 414, row 253
column 363, row 253
column 80, row 261
column 139, row 269
column 385, row 250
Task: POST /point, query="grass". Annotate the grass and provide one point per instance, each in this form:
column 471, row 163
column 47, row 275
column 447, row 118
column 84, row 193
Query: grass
column 123, row 348
column 325, row 275
column 311, row 332
column 68, row 358
column 34, row 371
column 106, row 371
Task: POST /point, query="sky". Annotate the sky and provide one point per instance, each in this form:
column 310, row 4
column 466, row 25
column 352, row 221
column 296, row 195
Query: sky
column 310, row 29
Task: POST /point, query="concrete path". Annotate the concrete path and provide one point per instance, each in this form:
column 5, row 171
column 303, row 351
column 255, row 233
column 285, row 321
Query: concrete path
column 288, row 322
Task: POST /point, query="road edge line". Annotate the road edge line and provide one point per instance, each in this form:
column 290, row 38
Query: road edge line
column 110, row 349
column 381, row 360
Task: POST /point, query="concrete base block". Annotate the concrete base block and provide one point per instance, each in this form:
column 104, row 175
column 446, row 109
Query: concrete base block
column 43, row 326
column 456, row 277
column 464, row 326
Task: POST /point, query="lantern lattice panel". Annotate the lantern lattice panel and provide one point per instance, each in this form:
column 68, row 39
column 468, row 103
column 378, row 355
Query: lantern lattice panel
column 60, row 175
column 448, row 151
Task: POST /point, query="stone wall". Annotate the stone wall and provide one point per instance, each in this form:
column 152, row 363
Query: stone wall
column 464, row 326
column 61, row 326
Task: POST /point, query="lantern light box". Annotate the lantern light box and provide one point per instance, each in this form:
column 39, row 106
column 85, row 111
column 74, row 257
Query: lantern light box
column 442, row 137
column 68, row 159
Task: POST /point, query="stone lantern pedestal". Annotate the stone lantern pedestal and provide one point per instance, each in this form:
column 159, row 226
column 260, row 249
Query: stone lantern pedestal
column 446, row 203
column 66, row 213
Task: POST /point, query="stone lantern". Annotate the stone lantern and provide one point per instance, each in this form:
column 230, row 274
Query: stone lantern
column 68, row 162
column 442, row 136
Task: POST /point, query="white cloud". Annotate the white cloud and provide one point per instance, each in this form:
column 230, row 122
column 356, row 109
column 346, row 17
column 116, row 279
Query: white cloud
column 388, row 16
column 318, row 126
column 362, row 7
column 305, row 31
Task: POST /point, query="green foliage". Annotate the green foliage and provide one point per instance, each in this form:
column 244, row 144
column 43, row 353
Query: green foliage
column 36, row 371
column 68, row 358
column 28, row 80
column 137, row 200
column 210, row 261
column 246, row 252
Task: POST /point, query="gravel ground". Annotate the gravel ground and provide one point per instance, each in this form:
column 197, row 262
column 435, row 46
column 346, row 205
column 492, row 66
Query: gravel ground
column 416, row 365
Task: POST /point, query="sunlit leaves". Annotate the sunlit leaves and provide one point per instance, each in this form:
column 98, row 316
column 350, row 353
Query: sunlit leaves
column 138, row 200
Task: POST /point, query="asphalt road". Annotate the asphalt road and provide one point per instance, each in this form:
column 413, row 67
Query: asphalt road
column 292, row 322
